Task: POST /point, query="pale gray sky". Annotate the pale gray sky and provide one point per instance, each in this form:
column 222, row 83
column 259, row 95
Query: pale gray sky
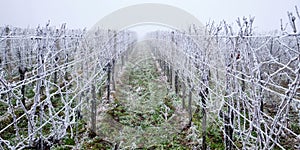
column 85, row 13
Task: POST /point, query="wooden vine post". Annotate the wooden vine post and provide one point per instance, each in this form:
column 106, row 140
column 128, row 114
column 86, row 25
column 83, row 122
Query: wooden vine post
column 113, row 61
column 176, row 82
column 113, row 75
column 203, row 95
column 183, row 95
column 108, row 67
column 94, row 109
column 190, row 104
column 8, row 53
column 173, row 71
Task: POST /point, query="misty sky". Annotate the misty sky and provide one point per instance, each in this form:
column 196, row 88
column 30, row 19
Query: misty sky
column 85, row 13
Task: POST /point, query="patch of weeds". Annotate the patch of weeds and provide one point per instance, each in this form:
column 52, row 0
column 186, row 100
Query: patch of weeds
column 118, row 111
column 177, row 142
column 215, row 137
column 69, row 141
column 30, row 93
column 295, row 128
column 97, row 143
column 3, row 108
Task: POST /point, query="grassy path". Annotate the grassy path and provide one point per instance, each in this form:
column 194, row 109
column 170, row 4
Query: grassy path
column 144, row 114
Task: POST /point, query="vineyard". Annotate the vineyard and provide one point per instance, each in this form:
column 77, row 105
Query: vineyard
column 211, row 87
